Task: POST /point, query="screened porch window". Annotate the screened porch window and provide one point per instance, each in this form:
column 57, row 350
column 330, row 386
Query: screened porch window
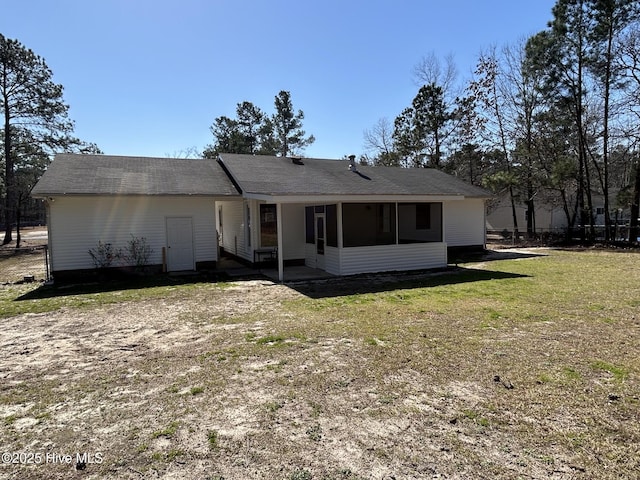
column 419, row 222
column 366, row 224
column 332, row 225
column 310, row 235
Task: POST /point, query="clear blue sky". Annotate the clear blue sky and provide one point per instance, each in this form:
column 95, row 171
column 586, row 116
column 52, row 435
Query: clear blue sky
column 148, row 77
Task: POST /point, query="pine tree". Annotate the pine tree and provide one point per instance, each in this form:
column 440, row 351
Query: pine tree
column 287, row 125
column 31, row 104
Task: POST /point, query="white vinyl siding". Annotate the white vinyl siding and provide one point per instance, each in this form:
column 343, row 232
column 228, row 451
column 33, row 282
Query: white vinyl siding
column 464, row 222
column 332, row 260
column 382, row 258
column 79, row 223
column 293, row 231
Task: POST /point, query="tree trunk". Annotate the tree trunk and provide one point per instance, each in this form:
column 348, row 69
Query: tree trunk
column 634, row 231
column 436, row 159
column 531, row 213
column 567, row 212
column 9, row 179
column 505, row 152
column 580, row 200
column 586, row 214
column 586, row 211
column 516, row 234
column 587, row 176
column 18, row 225
column 605, row 136
column 531, row 218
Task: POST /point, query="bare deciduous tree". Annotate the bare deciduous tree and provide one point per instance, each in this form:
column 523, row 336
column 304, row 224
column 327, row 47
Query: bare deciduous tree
column 378, row 142
column 431, row 70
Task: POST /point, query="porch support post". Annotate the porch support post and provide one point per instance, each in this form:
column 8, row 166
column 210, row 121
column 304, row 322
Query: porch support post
column 280, row 250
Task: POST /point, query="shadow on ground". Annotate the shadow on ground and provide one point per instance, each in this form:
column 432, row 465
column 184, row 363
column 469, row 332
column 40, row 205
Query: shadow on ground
column 316, row 288
column 456, row 258
column 125, row 283
column 333, row 287
column 359, row 284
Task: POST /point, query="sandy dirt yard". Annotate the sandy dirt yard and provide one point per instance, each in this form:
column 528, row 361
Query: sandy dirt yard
column 29, row 261
column 136, row 388
column 232, row 381
column 98, row 379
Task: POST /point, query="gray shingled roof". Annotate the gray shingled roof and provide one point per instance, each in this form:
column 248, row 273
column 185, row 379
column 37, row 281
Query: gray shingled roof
column 72, row 174
column 281, row 176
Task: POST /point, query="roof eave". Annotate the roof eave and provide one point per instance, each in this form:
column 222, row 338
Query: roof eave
column 129, row 194
column 325, row 197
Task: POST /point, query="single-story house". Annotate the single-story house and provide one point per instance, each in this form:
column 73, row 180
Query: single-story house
column 332, row 215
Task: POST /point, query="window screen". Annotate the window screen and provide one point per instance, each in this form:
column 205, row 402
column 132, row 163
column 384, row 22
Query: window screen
column 366, row 224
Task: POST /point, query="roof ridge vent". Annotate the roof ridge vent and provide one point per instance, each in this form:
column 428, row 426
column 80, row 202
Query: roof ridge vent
column 297, row 160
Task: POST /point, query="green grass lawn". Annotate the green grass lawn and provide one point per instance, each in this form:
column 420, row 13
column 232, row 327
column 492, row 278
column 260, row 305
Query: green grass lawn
column 524, row 368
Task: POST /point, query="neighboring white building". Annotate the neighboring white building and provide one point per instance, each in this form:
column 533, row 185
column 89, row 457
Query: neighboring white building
column 548, row 218
column 326, row 214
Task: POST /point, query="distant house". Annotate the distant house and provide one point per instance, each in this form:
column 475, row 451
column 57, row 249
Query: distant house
column 550, row 218
column 327, row 214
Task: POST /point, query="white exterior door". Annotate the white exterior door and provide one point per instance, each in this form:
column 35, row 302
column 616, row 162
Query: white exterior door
column 180, row 244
